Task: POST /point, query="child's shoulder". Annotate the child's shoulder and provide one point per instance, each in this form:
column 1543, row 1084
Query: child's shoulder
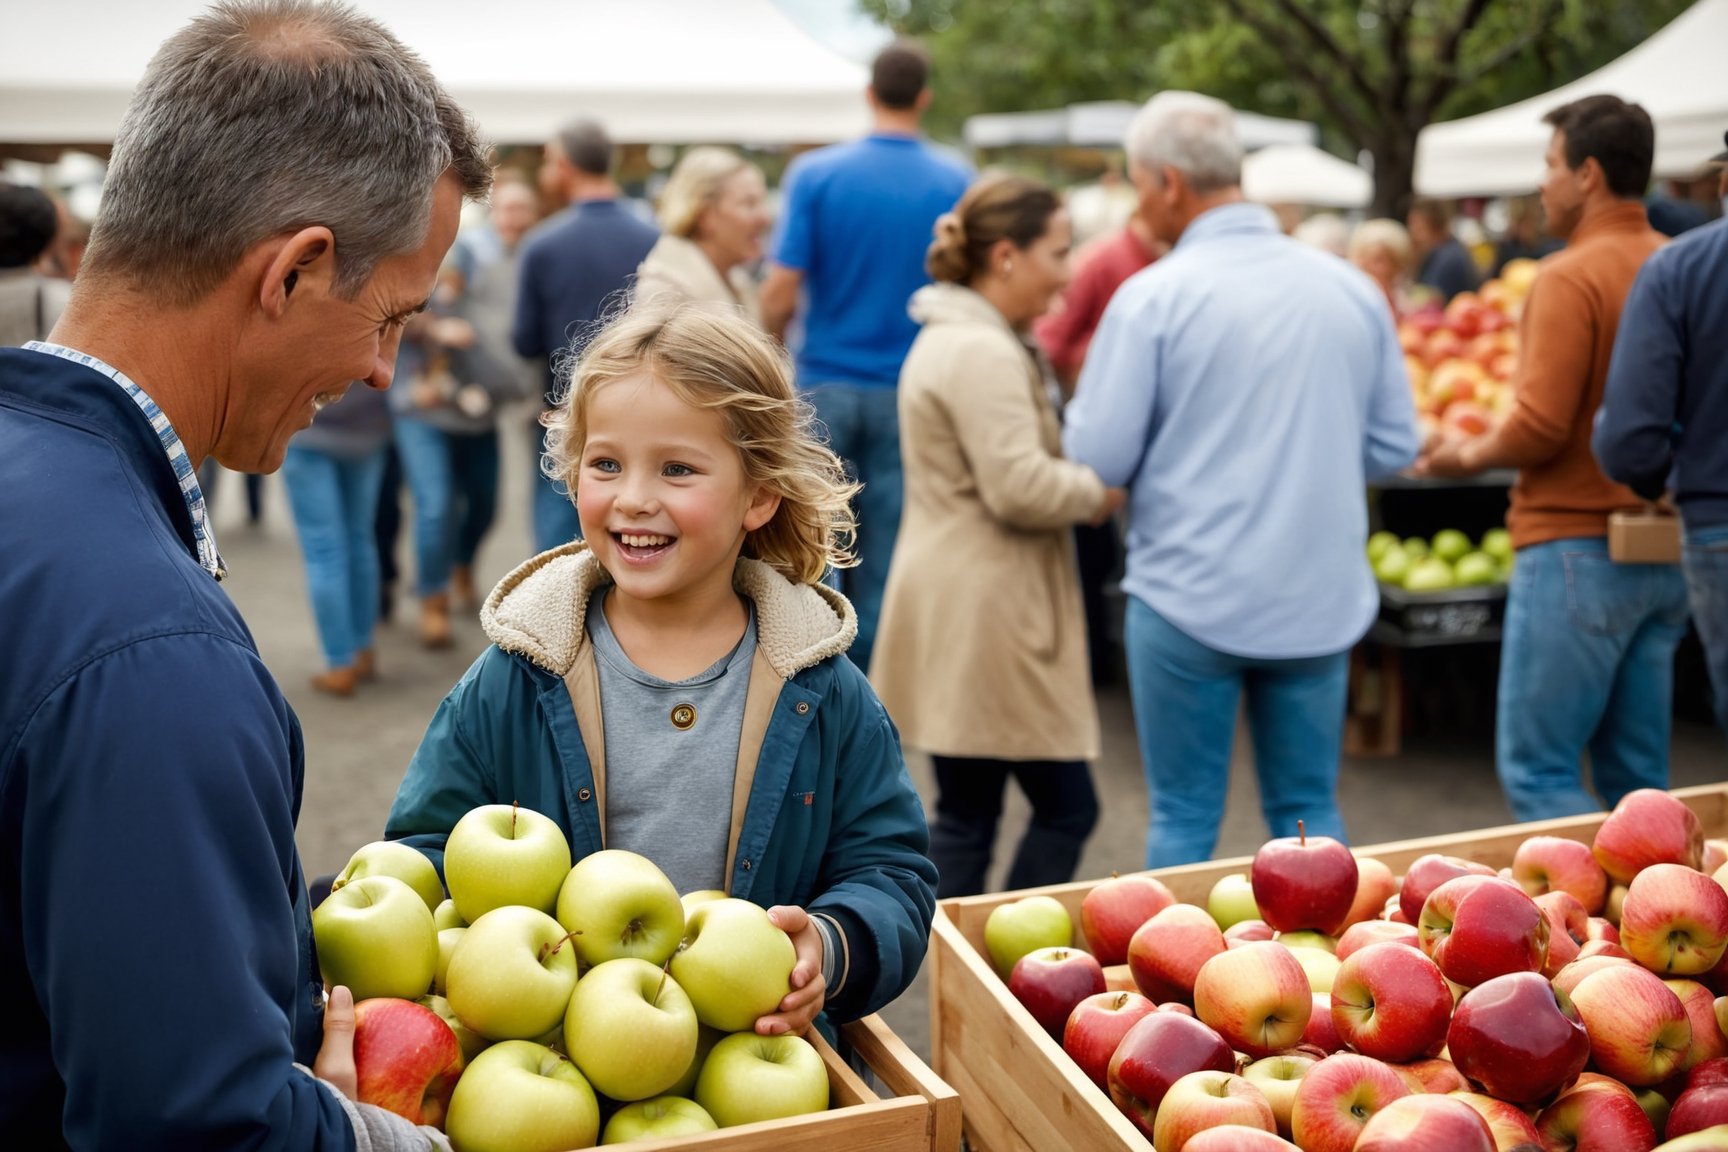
column 798, row 626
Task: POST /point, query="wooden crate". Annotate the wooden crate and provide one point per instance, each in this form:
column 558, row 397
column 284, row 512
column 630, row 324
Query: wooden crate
column 922, row 1114
column 1021, row 1093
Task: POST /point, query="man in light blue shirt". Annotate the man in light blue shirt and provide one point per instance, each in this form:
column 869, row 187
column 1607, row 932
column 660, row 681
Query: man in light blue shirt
column 1245, row 388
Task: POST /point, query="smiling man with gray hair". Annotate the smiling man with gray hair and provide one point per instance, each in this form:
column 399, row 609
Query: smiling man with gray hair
column 283, row 188
column 1244, row 389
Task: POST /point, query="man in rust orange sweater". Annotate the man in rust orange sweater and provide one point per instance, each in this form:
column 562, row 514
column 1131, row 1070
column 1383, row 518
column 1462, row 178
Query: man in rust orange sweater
column 1587, row 659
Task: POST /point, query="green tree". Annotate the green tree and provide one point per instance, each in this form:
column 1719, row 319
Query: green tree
column 1371, row 73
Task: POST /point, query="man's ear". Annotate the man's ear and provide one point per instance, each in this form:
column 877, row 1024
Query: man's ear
column 301, row 259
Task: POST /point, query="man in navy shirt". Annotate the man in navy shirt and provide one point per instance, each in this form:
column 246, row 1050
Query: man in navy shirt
column 854, row 228
column 577, row 268
column 1663, row 424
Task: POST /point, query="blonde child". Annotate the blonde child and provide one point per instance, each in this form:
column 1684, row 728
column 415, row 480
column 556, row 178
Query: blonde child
column 675, row 684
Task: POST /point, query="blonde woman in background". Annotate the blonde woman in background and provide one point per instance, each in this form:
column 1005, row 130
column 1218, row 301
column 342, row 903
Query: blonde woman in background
column 981, row 654
column 714, row 215
column 1382, row 249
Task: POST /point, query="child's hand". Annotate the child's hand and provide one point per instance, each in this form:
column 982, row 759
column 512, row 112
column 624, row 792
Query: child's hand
column 335, row 1062
column 798, row 1010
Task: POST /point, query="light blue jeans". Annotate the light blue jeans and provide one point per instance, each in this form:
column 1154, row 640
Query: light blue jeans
column 1586, row 663
column 1704, row 558
column 554, row 509
column 1185, row 696
column 334, row 500
column 453, row 481
column 863, row 424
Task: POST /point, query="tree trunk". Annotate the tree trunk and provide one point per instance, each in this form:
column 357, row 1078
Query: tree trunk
column 1394, row 155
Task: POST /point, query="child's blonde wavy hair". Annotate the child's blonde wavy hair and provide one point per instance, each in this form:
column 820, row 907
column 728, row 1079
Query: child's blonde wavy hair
column 714, row 358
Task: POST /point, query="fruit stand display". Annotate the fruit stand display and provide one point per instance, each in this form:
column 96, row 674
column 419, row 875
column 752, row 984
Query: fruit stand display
column 1022, row 1092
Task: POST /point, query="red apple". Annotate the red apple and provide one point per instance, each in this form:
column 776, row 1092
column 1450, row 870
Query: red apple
column 406, row 1059
column 1519, row 1038
column 1674, row 920
column 1427, row 873
column 1097, row 1025
column 1435, row 1074
column 1278, row 1076
column 1697, row 1109
column 1376, row 932
column 1248, row 930
column 1321, row 1033
column 1257, row 997
column 1156, row 1052
column 1375, row 884
column 1596, row 1118
column 1051, row 981
column 1556, row 864
column 1566, row 980
column 1175, row 1006
column 1708, row 1042
column 1166, row 952
column 1208, row 1099
column 1639, row 1030
column 1508, row 1123
column 1601, row 928
column 1337, row 1097
column 1389, row 1001
column 1304, row 882
column 1715, row 854
column 1647, row 827
column 1603, row 948
column 1568, row 925
column 1426, row 1123
column 1236, row 1138
column 1479, row 927
column 1115, row 908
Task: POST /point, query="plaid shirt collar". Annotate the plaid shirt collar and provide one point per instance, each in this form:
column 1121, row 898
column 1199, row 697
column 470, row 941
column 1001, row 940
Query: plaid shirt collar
column 208, row 556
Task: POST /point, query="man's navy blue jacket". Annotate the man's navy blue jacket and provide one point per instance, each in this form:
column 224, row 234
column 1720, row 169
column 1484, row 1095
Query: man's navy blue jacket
column 157, row 981
column 1664, row 413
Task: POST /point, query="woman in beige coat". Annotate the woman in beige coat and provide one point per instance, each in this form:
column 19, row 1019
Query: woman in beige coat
column 981, row 656
column 714, row 215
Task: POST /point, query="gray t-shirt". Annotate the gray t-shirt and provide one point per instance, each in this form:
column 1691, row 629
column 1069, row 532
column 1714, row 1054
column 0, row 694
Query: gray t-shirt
column 671, row 755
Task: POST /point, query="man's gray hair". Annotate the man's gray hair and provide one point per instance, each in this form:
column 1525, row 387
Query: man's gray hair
column 588, row 147
column 1194, row 134
column 262, row 117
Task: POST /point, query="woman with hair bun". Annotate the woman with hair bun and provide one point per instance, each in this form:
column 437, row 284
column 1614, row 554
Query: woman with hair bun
column 981, row 657
column 714, row 217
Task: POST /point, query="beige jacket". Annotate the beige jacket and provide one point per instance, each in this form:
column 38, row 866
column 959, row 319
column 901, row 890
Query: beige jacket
column 676, row 269
column 981, row 647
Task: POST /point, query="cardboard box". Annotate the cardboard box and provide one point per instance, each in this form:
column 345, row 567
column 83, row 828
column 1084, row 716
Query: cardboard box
column 1021, row 1093
column 1643, row 538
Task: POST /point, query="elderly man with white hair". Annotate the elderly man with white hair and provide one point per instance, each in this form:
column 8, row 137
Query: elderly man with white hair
column 1244, row 388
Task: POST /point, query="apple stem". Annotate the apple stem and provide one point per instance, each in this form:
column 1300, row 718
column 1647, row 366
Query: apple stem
column 1301, row 833
column 665, row 971
column 559, row 943
column 515, row 806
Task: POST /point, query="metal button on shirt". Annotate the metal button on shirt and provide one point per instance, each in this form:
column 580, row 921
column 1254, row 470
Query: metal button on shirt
column 684, row 717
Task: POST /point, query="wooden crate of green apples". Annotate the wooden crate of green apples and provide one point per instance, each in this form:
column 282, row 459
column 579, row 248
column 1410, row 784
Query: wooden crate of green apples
column 1446, row 561
column 541, row 1006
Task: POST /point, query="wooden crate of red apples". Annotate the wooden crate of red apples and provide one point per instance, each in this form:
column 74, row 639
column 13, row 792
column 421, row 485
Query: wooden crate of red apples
column 1461, row 358
column 543, row 1005
column 1549, row 986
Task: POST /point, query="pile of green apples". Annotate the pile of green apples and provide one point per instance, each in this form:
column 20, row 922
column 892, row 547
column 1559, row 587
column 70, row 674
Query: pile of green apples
column 1449, row 560
column 541, row 1005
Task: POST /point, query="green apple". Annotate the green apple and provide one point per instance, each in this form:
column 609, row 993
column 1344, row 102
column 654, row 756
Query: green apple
column 1415, row 547
column 447, row 938
column 1231, row 900
column 1449, row 544
column 1393, row 567
column 1430, row 575
column 1474, row 568
column 620, row 905
column 734, row 964
column 445, row 916
column 700, row 896
column 501, row 854
column 375, row 936
column 1023, row 926
column 1381, row 543
column 661, row 1118
column 1319, row 965
column 1497, row 542
column 749, row 1078
column 472, row 1042
column 394, row 858
column 518, row 1096
column 1308, row 938
column 635, row 999
column 511, row 975
column 706, row 1038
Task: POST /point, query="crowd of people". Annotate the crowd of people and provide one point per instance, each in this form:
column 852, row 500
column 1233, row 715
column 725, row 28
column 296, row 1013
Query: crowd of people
column 756, row 572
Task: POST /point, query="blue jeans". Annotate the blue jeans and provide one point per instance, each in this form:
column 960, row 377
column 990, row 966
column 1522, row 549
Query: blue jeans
column 554, row 510
column 453, row 481
column 1586, row 662
column 334, row 500
column 863, row 426
column 1704, row 558
column 1185, row 696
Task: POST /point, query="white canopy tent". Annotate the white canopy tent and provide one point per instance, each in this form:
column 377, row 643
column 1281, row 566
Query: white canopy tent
column 1103, row 124
column 1677, row 75
column 1303, row 174
column 672, row 71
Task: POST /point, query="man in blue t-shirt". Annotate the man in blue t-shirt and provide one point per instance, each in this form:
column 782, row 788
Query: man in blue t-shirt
column 855, row 224
column 576, row 269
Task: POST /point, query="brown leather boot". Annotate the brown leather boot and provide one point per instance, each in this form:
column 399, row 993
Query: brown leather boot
column 337, row 681
column 462, row 589
column 435, row 621
column 366, row 664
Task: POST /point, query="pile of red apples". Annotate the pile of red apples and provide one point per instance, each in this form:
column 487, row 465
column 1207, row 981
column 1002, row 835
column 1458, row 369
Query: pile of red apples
column 1570, row 1003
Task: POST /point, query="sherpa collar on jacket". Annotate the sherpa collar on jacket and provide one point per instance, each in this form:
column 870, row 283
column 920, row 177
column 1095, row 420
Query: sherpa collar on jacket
column 539, row 611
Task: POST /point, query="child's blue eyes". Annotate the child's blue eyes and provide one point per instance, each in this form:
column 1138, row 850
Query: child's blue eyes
column 678, row 470
column 612, row 467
